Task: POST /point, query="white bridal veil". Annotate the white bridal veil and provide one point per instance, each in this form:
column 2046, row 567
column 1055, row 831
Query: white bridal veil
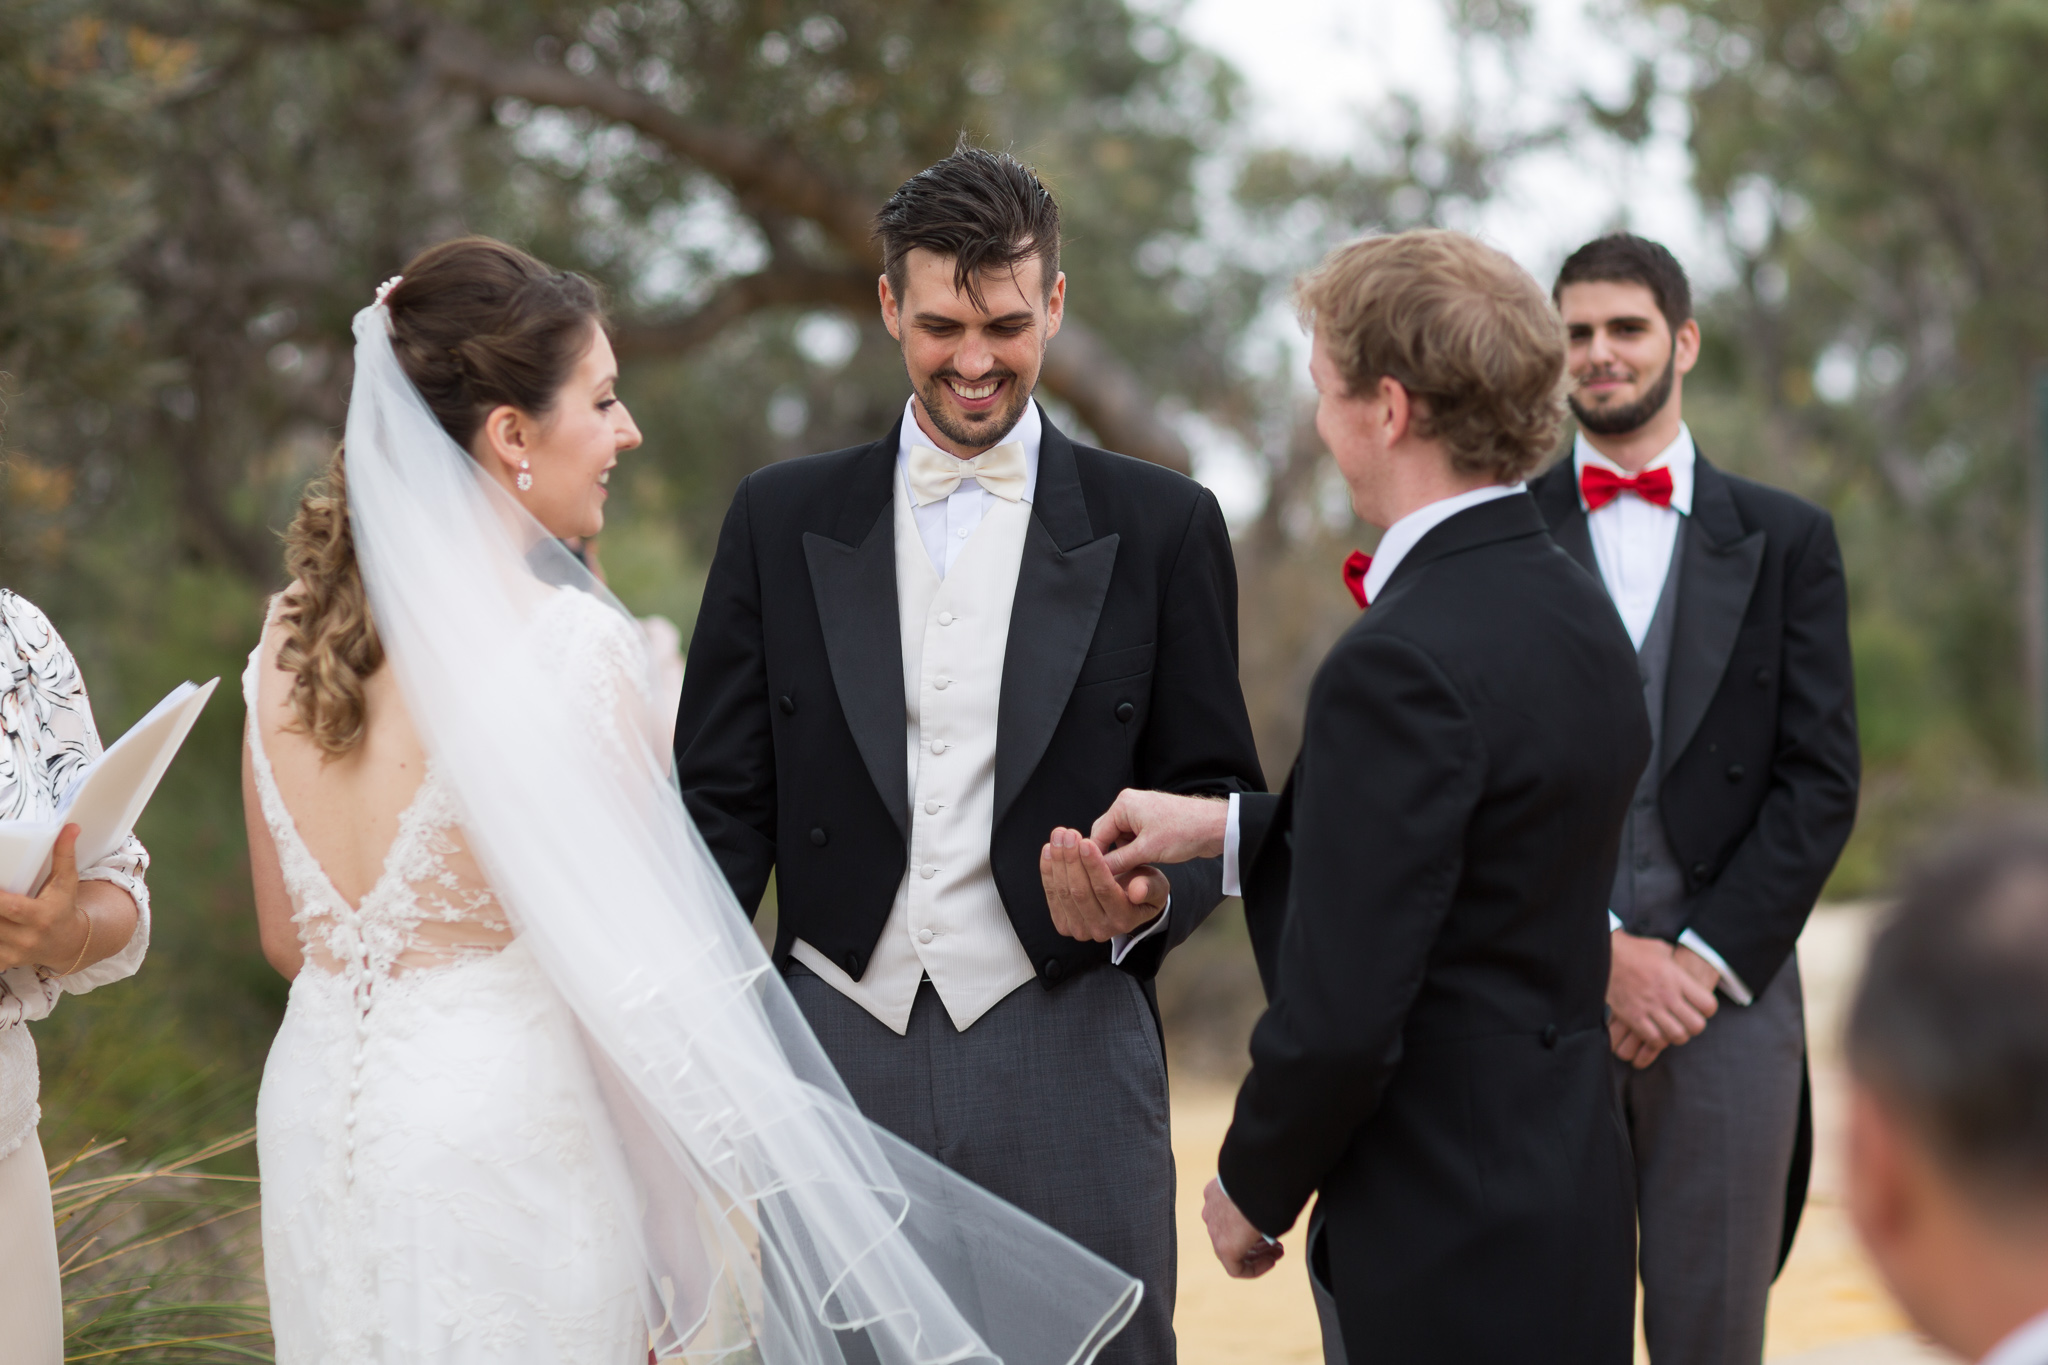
column 778, row 1225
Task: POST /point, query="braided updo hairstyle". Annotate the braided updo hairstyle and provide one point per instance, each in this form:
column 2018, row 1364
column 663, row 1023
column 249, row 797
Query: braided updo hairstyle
column 478, row 325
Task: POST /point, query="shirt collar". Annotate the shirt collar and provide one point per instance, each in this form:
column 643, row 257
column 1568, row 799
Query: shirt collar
column 1402, row 536
column 1678, row 457
column 2026, row 1344
column 1029, row 433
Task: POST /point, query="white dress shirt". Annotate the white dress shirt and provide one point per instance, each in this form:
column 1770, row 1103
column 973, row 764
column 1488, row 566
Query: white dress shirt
column 2026, row 1344
column 1633, row 538
column 1633, row 541
column 947, row 525
column 1394, row 546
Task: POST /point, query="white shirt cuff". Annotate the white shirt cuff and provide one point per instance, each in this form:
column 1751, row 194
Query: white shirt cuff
column 1120, row 945
column 1731, row 984
column 1233, row 884
column 1613, row 921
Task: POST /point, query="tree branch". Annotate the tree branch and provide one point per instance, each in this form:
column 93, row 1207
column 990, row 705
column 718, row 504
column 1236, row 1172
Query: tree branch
column 779, row 286
column 754, row 168
column 1080, row 368
column 1108, row 395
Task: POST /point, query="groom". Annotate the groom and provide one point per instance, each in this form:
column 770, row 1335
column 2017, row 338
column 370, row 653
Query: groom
column 914, row 660
column 1429, row 892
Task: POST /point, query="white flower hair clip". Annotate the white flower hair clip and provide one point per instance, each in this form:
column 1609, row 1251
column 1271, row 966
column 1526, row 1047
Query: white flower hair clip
column 383, row 293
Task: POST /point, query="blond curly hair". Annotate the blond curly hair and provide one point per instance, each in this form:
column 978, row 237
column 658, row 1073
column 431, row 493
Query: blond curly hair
column 1465, row 330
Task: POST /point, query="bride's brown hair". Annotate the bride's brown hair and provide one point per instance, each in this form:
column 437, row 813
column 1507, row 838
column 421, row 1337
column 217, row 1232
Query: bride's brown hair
column 478, row 324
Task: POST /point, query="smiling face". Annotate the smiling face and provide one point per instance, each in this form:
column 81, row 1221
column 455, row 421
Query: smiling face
column 972, row 366
column 569, row 450
column 1626, row 363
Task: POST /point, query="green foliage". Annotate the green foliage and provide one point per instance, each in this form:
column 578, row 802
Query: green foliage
column 160, row 1258
column 1882, row 169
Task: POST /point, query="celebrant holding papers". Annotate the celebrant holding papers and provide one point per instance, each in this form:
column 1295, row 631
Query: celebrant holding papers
column 66, row 821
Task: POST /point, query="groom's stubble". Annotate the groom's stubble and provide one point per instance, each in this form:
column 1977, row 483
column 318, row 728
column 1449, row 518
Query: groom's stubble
column 970, row 431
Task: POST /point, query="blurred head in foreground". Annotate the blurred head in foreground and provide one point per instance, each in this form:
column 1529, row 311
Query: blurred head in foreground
column 1948, row 1053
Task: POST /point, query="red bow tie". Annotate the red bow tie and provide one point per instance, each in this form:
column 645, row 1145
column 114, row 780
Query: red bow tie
column 1600, row 486
column 1355, row 566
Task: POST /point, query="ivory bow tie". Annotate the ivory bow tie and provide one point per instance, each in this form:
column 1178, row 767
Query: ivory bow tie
column 934, row 474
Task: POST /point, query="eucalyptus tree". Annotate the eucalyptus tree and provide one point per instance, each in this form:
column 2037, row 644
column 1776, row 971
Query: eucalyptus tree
column 1880, row 170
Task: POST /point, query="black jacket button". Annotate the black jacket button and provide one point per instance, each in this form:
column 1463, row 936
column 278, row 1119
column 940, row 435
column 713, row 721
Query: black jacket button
column 1763, row 677
column 1550, row 1035
column 852, row 963
column 1736, row 772
column 1054, row 969
column 1699, row 872
column 1124, row 711
column 788, row 706
column 818, row 836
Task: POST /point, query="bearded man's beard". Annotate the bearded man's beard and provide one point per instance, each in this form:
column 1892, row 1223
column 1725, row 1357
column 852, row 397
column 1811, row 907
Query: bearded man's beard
column 1630, row 416
column 988, row 430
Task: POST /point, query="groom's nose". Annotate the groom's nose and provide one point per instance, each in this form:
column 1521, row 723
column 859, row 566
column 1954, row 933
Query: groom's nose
column 974, row 358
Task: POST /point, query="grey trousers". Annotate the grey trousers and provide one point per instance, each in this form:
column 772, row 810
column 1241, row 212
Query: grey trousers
column 1711, row 1125
column 1053, row 1100
column 1326, row 1302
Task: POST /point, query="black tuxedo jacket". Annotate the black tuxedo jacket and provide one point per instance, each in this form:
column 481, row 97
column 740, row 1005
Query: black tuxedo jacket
column 1120, row 670
column 1429, row 898
column 1760, row 759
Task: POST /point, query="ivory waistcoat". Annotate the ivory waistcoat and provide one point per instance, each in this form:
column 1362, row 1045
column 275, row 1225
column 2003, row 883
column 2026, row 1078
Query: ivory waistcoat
column 948, row 920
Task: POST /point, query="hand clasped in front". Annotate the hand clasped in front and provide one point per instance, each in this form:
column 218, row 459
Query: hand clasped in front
column 1108, row 883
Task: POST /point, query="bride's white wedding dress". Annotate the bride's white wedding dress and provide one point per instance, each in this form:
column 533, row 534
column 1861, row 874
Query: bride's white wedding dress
column 540, row 1094
column 429, row 1133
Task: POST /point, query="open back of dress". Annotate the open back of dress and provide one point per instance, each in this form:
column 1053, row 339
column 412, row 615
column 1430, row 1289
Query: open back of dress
column 440, row 1178
column 430, row 904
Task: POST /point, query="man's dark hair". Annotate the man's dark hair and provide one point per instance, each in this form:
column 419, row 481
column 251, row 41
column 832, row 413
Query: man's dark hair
column 986, row 210
column 1624, row 258
column 1950, row 1025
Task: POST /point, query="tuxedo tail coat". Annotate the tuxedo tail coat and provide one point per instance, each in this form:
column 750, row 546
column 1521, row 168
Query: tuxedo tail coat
column 1761, row 765
column 1120, row 670
column 1428, row 896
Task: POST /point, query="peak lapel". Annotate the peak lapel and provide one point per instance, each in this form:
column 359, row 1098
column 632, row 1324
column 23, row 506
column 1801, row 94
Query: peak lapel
column 1557, row 497
column 854, row 585
column 1062, row 583
column 1714, row 583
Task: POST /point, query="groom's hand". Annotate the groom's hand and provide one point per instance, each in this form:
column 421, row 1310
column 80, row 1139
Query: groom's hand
column 1658, row 1002
column 1243, row 1249
column 1159, row 827
column 1087, row 900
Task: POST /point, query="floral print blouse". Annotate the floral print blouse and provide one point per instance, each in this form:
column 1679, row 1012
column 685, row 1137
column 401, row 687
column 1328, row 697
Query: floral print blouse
column 47, row 741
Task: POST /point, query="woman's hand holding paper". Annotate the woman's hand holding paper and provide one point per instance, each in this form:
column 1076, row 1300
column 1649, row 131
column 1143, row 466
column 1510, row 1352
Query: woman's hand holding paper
column 69, row 924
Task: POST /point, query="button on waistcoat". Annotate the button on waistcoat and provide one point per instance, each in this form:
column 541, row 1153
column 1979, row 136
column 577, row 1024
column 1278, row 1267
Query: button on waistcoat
column 948, row 920
column 1649, row 885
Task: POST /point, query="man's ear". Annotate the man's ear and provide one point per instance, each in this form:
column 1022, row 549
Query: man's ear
column 1686, row 345
column 892, row 311
column 1056, row 305
column 1400, row 410
column 1879, row 1174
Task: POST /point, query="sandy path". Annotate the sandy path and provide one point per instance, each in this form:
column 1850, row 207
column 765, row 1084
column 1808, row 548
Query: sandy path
column 1826, row 1297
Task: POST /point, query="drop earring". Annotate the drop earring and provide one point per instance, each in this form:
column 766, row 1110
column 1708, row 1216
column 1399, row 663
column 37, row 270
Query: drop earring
column 525, row 479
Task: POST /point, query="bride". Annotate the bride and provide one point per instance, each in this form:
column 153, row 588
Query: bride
column 538, row 1096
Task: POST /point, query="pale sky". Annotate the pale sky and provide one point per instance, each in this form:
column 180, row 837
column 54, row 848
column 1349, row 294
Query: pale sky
column 1315, row 71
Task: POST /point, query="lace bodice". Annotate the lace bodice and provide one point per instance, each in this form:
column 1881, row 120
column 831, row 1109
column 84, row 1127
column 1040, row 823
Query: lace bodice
column 432, row 904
